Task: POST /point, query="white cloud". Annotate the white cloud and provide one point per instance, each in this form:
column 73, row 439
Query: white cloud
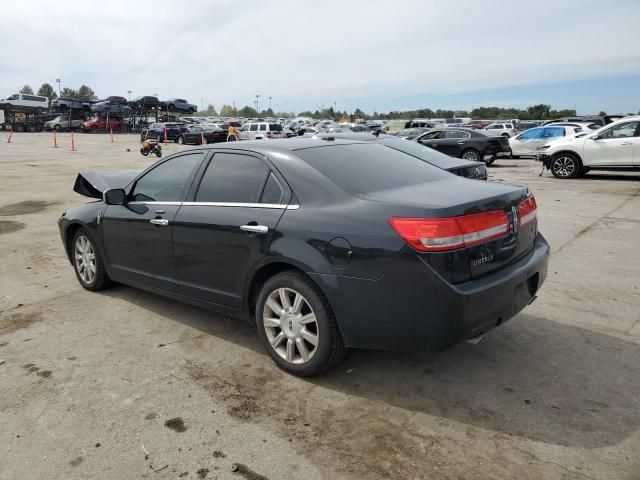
column 307, row 54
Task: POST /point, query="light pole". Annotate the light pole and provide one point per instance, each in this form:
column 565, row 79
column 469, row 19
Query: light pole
column 258, row 103
column 129, row 92
column 59, row 91
column 269, row 102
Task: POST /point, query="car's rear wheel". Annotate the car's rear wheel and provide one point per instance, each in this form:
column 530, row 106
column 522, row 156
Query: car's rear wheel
column 87, row 262
column 505, row 134
column 297, row 326
column 472, row 155
column 565, row 165
column 180, row 139
column 57, row 127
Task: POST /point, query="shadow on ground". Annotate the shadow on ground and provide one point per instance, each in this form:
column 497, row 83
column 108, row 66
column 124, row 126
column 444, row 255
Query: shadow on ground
column 532, row 377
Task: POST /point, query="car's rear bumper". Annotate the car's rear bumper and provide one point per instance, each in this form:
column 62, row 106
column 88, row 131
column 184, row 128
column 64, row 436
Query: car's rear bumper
column 411, row 308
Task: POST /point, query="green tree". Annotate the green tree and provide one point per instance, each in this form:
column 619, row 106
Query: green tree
column 47, row 90
column 539, row 112
column 247, row 112
column 228, row 111
column 602, row 113
column 268, row 113
column 86, row 93
column 27, row 90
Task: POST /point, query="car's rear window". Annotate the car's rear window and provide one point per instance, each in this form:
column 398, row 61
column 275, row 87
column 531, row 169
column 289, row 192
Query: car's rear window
column 366, row 168
column 275, row 127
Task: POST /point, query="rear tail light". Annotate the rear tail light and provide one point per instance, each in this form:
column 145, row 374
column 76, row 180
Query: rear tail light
column 527, row 211
column 443, row 234
column 268, row 134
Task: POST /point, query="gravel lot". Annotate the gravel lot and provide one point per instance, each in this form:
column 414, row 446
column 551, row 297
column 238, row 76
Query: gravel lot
column 125, row 384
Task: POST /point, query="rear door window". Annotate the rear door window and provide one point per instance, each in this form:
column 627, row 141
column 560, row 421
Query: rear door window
column 552, row 132
column 253, row 127
column 263, row 127
column 232, row 178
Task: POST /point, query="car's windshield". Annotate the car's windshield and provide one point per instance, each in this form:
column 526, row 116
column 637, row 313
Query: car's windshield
column 366, row 168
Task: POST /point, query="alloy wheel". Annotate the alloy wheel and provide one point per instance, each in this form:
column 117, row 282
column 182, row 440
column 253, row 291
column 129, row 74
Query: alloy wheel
column 564, row 166
column 291, row 326
column 471, row 156
column 85, row 259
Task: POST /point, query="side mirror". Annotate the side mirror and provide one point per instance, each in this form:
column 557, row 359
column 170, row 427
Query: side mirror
column 595, row 138
column 115, row 196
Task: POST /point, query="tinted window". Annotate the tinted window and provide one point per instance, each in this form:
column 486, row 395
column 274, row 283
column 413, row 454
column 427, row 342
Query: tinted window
column 254, row 127
column 232, row 178
column 430, row 136
column 167, row 182
column 13, row 97
column 623, row 130
column 455, row 134
column 273, row 191
column 263, row 127
column 366, row 168
column 275, row 127
column 552, row 132
column 531, row 134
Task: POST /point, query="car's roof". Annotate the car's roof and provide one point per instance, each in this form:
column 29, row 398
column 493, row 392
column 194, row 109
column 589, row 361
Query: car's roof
column 284, row 145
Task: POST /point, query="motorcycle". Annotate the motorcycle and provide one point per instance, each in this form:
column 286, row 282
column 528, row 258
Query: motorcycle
column 150, row 146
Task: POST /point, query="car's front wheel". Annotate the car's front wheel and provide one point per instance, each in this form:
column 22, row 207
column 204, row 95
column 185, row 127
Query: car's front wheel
column 565, row 165
column 297, row 326
column 87, row 262
column 180, row 139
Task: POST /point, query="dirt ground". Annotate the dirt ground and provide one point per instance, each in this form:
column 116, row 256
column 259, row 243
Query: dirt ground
column 125, row 384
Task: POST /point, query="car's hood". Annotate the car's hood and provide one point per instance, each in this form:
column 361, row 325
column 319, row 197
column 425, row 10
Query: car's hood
column 94, row 184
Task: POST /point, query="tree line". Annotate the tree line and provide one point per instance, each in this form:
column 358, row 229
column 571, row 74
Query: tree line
column 46, row 90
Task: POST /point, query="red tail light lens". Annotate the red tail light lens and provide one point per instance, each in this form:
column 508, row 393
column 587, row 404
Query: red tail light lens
column 527, row 211
column 443, row 234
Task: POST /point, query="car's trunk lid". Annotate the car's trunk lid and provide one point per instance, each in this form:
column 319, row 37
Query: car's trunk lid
column 451, row 198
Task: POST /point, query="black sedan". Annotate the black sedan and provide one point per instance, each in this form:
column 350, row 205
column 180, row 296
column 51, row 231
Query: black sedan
column 195, row 135
column 157, row 131
column 321, row 244
column 463, row 168
column 466, row 143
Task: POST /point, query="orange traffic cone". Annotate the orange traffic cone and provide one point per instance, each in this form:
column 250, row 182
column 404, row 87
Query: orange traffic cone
column 73, row 143
column 10, row 135
column 202, row 140
column 55, row 139
column 111, row 133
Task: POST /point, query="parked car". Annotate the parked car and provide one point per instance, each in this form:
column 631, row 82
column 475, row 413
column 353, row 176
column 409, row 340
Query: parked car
column 531, row 141
column 260, row 130
column 67, row 103
column 105, row 107
column 420, row 124
column 23, row 100
column 423, row 259
column 613, row 147
column 524, row 126
column 473, row 145
column 144, row 102
column 195, row 134
column 62, row 122
column 102, row 124
column 411, row 133
column 503, row 129
column 178, row 104
column 157, row 131
column 460, row 167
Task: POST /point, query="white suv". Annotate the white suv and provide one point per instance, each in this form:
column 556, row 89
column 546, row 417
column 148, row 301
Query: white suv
column 261, row 130
column 504, row 129
column 613, row 147
column 24, row 100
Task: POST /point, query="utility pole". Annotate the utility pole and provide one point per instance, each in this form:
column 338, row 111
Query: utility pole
column 129, row 92
column 269, row 102
column 58, row 80
column 258, row 103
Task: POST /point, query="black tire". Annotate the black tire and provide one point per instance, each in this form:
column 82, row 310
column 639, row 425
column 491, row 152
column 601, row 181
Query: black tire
column 330, row 349
column 472, row 155
column 565, row 166
column 191, row 111
column 505, row 134
column 180, row 140
column 144, row 152
column 57, row 127
column 158, row 152
column 100, row 279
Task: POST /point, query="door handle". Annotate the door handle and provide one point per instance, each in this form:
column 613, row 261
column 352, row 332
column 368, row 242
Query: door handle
column 460, row 143
column 254, row 228
column 159, row 221
column 160, row 212
column 627, row 143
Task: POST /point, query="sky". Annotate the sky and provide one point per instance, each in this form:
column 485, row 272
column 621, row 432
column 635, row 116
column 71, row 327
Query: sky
column 374, row 55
